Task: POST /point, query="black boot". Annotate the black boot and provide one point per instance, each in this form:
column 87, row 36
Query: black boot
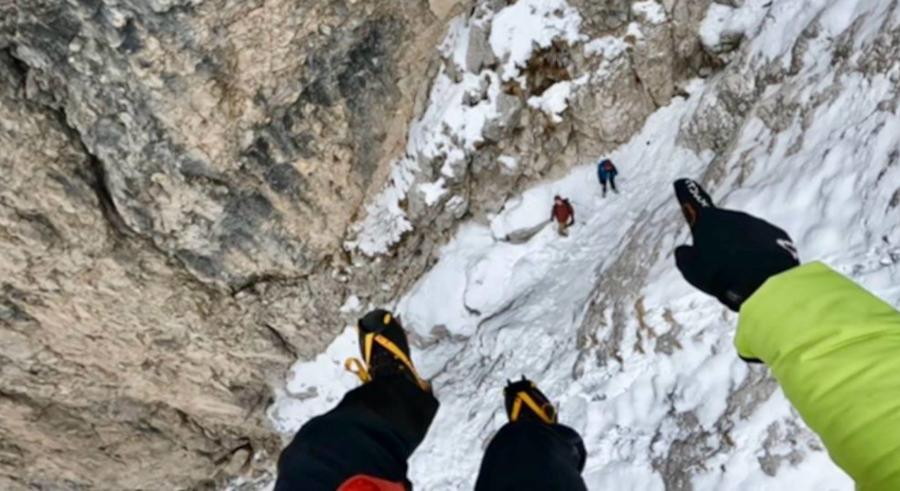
column 532, row 451
column 384, row 349
column 525, row 402
column 375, row 428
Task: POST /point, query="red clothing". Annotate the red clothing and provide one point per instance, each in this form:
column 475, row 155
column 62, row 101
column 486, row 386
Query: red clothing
column 366, row 483
column 563, row 212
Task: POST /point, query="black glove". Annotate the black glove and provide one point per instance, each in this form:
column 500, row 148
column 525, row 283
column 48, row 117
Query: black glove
column 733, row 253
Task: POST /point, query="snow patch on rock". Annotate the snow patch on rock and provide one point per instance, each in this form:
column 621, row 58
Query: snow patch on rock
column 521, row 27
column 650, row 10
column 555, row 100
column 385, row 221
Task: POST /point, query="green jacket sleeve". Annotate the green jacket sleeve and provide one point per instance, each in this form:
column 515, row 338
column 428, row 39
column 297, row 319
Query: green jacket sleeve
column 835, row 349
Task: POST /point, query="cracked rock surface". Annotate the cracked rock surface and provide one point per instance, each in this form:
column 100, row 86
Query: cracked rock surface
column 175, row 180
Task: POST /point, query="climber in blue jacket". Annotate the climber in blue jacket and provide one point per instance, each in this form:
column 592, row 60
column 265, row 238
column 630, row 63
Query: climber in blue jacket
column 607, row 172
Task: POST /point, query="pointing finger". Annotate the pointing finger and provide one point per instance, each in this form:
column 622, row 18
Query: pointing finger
column 693, row 200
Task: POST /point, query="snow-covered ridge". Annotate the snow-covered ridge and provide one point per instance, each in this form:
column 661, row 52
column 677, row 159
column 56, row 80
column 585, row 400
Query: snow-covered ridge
column 647, row 373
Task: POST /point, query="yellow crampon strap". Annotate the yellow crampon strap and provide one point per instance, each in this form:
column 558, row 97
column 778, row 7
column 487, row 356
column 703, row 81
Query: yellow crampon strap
column 367, row 348
column 359, row 368
column 523, row 397
column 400, row 355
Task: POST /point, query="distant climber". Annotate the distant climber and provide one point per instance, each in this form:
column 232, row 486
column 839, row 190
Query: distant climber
column 364, row 443
column 833, row 346
column 607, row 172
column 564, row 215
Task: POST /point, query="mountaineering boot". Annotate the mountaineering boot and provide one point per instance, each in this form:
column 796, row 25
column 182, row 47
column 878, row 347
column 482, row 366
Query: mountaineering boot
column 533, row 451
column 384, row 349
column 525, row 402
column 366, row 440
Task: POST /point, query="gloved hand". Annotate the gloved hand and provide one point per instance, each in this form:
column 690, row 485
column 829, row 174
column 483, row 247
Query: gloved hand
column 733, row 253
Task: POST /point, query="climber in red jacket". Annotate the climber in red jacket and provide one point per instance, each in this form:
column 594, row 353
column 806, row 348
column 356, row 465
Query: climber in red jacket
column 364, row 443
column 564, row 215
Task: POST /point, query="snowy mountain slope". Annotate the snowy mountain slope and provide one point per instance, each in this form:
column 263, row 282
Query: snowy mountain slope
column 801, row 129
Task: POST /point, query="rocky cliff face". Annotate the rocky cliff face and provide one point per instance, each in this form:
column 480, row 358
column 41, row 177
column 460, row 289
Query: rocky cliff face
column 176, row 180
column 188, row 187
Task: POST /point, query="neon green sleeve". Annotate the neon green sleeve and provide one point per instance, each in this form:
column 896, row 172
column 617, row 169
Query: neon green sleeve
column 835, row 349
